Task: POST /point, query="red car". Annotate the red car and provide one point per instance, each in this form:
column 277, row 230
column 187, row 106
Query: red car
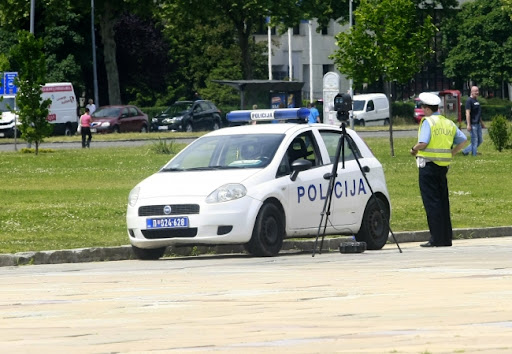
column 418, row 111
column 119, row 119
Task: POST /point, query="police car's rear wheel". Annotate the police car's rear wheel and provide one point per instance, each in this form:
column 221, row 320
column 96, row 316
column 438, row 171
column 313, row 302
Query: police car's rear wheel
column 148, row 254
column 267, row 236
column 375, row 226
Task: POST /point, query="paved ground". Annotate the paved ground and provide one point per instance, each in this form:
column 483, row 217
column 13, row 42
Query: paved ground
column 424, row 300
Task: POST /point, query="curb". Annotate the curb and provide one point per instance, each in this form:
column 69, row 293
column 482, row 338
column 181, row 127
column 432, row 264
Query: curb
column 105, row 254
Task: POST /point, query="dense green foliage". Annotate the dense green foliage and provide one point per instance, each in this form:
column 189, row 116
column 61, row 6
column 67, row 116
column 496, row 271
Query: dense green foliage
column 481, row 44
column 74, row 198
column 387, row 42
column 154, row 52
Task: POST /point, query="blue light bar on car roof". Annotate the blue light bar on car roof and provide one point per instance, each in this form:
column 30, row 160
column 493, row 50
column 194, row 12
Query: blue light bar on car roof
column 268, row 114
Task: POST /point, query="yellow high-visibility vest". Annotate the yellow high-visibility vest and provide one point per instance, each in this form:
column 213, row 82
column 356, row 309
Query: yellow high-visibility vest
column 442, row 134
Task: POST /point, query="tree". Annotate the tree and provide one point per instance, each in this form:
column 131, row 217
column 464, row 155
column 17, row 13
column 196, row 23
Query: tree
column 29, row 61
column 387, row 43
column 480, row 38
column 507, row 6
column 208, row 49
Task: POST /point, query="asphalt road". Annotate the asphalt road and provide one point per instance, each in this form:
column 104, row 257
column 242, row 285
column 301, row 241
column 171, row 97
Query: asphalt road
column 101, row 144
column 424, row 300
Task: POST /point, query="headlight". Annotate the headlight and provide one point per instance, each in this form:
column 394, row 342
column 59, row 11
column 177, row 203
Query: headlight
column 133, row 196
column 178, row 118
column 226, row 193
column 154, row 120
column 105, row 124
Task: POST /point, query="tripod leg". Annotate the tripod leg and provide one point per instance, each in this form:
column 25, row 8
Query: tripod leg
column 382, row 212
column 326, row 211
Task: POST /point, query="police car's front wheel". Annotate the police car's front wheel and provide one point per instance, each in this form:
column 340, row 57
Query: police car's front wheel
column 375, row 225
column 267, row 236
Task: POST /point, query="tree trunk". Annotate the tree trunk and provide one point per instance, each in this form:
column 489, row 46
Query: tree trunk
column 243, row 38
column 387, row 91
column 107, row 22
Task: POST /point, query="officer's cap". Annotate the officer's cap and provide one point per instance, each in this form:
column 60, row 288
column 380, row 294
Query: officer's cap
column 430, row 99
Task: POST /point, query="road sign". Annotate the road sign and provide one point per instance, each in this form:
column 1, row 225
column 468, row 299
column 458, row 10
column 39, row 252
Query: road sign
column 9, row 85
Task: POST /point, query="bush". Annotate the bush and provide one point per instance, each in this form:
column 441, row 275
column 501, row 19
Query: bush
column 164, row 147
column 152, row 111
column 403, row 109
column 499, row 132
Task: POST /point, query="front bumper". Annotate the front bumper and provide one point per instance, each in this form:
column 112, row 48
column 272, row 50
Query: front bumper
column 220, row 223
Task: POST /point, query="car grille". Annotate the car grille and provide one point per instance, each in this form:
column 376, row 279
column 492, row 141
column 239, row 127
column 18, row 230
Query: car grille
column 169, row 233
column 176, row 209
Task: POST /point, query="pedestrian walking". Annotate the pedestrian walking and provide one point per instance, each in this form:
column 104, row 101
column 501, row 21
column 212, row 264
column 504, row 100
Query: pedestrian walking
column 474, row 122
column 439, row 140
column 85, row 128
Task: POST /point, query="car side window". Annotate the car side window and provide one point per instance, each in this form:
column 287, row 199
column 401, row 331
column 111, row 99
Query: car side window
column 197, row 108
column 125, row 113
column 370, row 106
column 204, row 106
column 331, row 139
column 302, row 146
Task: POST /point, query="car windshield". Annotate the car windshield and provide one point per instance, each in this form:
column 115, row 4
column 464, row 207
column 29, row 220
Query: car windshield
column 358, row 105
column 7, row 104
column 178, row 107
column 107, row 112
column 227, row 152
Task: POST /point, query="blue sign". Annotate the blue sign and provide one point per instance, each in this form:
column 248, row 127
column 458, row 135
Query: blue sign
column 9, row 85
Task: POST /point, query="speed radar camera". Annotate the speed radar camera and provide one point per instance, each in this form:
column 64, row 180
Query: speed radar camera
column 342, row 106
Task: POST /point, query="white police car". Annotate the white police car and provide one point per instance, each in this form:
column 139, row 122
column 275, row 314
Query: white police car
column 257, row 185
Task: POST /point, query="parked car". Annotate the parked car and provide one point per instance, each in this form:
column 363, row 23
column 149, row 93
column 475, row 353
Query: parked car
column 119, row 119
column 257, row 185
column 188, row 116
column 418, row 110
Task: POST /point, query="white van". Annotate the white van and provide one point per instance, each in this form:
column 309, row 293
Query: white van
column 62, row 112
column 8, row 119
column 370, row 109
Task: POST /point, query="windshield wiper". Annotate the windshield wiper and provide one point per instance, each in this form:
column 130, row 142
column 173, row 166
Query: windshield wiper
column 171, row 169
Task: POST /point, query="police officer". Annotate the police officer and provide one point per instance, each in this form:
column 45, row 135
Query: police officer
column 439, row 140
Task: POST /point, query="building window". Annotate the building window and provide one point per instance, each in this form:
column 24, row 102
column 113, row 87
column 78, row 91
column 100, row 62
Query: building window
column 326, row 68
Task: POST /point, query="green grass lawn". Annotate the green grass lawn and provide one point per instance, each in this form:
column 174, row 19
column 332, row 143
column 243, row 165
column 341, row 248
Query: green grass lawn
column 73, row 198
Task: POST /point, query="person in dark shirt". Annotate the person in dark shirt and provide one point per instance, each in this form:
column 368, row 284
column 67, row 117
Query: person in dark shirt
column 474, row 122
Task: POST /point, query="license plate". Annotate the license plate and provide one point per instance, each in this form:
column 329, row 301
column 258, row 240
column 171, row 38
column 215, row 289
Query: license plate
column 93, row 130
column 163, row 127
column 167, row 223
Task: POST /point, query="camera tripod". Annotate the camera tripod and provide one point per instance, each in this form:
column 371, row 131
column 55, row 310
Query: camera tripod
column 326, row 211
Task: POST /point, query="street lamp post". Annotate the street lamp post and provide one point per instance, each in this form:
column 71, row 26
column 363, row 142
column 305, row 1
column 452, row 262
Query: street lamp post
column 95, row 76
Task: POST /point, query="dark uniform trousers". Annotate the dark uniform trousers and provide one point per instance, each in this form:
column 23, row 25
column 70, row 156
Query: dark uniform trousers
column 434, row 192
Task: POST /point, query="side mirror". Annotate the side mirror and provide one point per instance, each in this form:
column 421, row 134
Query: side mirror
column 299, row 166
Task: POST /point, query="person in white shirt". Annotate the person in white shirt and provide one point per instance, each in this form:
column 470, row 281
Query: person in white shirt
column 91, row 106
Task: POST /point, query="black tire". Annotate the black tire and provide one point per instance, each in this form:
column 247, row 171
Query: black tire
column 375, row 225
column 67, row 130
column 144, row 129
column 386, row 122
column 268, row 234
column 361, row 123
column 188, row 128
column 148, row 254
column 216, row 125
column 116, row 129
